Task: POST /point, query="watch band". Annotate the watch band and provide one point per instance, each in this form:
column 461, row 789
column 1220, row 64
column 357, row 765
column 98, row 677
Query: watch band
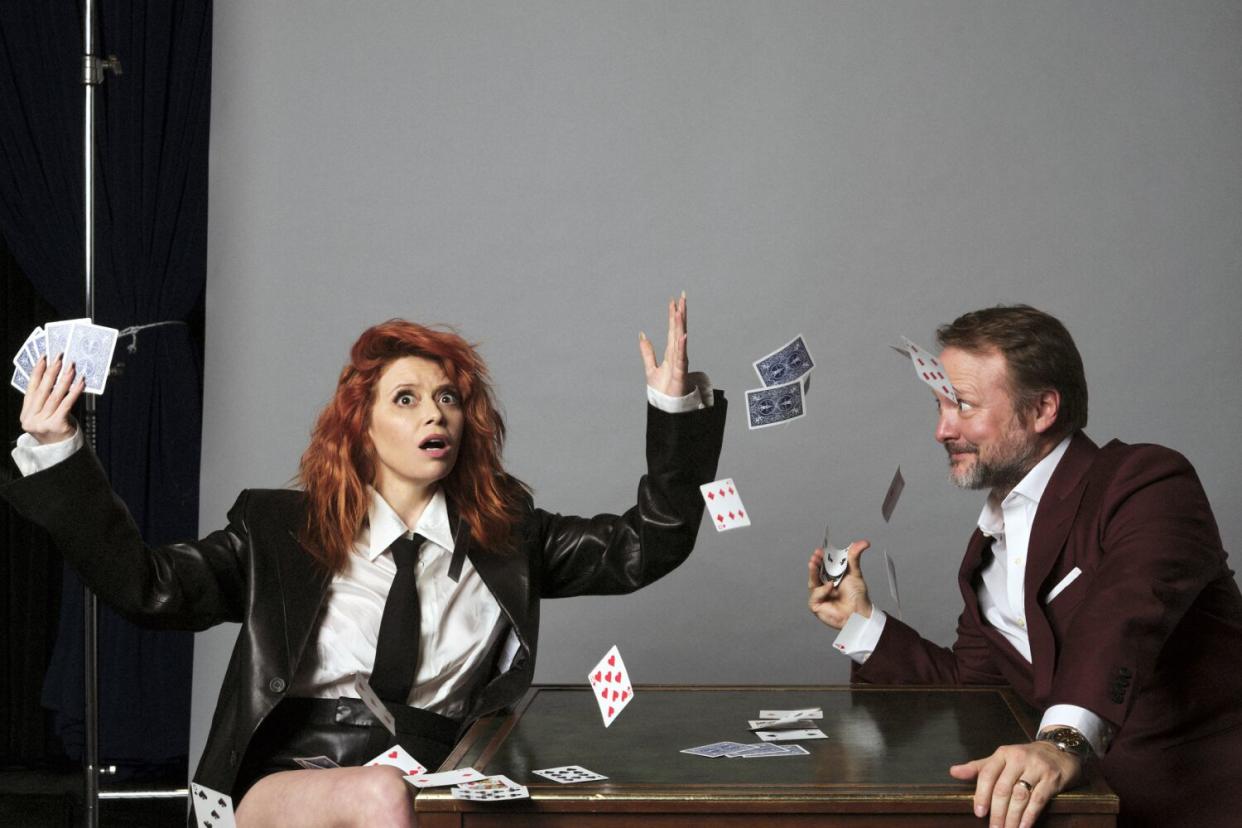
column 1067, row 740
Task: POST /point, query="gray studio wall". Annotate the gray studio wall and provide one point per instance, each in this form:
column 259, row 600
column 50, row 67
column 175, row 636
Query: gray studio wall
column 544, row 175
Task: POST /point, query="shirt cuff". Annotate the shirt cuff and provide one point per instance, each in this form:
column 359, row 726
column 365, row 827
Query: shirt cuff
column 700, row 396
column 860, row 636
column 1096, row 731
column 32, row 456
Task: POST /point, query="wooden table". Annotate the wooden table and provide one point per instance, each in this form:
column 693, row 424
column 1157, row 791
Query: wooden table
column 885, row 761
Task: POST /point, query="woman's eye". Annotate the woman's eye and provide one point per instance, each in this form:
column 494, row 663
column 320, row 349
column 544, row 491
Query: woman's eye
column 449, row 397
column 405, row 399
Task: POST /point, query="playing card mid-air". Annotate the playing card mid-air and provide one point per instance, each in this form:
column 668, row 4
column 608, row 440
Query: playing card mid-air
column 891, row 497
column 927, row 368
column 724, row 504
column 86, row 346
column 610, row 682
column 792, row 361
column 776, row 405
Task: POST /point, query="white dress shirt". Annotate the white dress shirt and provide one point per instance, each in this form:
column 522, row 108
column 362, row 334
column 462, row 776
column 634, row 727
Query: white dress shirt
column 1002, row 591
column 463, row 635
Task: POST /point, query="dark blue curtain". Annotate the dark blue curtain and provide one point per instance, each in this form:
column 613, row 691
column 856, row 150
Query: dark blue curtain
column 150, row 267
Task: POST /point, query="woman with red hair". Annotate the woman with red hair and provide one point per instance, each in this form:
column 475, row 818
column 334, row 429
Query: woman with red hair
column 397, row 590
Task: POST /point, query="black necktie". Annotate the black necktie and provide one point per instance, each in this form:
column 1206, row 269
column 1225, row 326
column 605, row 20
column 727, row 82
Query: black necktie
column 396, row 651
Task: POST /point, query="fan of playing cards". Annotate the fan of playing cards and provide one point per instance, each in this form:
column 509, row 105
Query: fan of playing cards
column 86, row 346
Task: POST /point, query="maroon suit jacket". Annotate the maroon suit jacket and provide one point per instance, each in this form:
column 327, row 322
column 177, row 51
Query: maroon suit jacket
column 1148, row 637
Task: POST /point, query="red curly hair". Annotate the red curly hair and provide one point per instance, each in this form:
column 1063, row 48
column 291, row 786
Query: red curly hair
column 339, row 463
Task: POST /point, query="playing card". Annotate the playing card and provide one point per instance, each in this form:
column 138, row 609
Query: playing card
column 892, row 495
column 314, row 762
column 804, row 713
column 790, row 735
column 37, row 343
column 490, row 789
column 724, row 504
column 775, row 749
column 773, row 406
column 212, row 809
column 398, row 757
column 790, row 362
column 715, row 749
column 373, row 703
column 569, row 774
column 439, row 780
column 19, row 381
column 929, row 369
column 611, row 683
column 56, row 336
column 892, row 581
column 836, row 562
column 25, row 358
column 779, row 724
column 89, row 349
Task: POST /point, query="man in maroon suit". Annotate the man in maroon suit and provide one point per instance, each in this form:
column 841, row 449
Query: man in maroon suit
column 1095, row 585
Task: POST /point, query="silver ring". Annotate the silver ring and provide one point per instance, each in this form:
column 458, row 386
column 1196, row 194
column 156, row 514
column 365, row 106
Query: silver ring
column 1029, row 787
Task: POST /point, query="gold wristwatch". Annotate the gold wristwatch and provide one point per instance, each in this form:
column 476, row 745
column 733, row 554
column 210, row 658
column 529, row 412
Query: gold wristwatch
column 1067, row 740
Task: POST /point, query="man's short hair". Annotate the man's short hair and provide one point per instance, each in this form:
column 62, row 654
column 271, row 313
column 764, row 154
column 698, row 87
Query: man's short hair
column 1039, row 352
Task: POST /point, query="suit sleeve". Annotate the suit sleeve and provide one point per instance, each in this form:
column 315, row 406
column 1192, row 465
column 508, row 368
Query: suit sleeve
column 189, row 586
column 902, row 656
column 611, row 554
column 1159, row 549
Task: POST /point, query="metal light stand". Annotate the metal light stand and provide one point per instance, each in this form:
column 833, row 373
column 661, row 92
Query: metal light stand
column 92, row 78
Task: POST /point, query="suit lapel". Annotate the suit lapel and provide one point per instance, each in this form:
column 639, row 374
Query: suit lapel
column 509, row 585
column 303, row 583
column 1053, row 521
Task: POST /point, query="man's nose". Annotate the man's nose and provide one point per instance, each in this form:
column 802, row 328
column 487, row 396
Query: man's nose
column 946, row 425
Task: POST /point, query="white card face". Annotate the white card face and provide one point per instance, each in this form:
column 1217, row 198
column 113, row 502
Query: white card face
column 212, row 809
column 611, row 682
column 790, row 735
column 569, row 774
column 439, row 780
column 490, row 789
column 89, row 350
column 804, row 713
column 724, row 505
column 399, row 757
column 928, row 368
column 373, row 703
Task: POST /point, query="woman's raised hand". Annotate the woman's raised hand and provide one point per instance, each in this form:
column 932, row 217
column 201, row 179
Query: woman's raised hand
column 46, row 406
column 668, row 377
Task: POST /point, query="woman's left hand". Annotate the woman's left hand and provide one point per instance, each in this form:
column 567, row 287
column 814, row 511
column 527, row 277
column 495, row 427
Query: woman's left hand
column 670, row 376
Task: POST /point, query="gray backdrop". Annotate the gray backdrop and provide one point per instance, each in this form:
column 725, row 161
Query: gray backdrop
column 544, row 175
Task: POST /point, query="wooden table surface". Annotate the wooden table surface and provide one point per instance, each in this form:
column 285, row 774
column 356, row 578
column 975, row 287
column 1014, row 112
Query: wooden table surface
column 885, row 761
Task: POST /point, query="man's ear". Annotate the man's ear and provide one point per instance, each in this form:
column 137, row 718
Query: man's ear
column 1047, row 410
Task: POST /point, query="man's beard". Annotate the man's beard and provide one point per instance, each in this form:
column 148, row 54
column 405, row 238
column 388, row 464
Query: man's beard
column 1016, row 456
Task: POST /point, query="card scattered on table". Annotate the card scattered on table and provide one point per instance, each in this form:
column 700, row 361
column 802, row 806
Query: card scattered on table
column 790, row 735
column 611, row 683
column 212, row 809
column 724, row 504
column 569, row 774
column 315, row 762
column 440, row 780
column 490, row 789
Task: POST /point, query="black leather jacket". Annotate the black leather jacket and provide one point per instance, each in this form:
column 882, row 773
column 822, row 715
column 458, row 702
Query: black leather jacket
column 255, row 572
